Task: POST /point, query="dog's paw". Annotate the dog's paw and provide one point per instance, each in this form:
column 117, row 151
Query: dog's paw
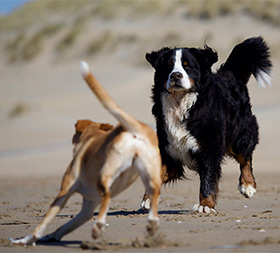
column 27, row 240
column 145, row 204
column 97, row 229
column 247, row 190
column 203, row 209
column 152, row 227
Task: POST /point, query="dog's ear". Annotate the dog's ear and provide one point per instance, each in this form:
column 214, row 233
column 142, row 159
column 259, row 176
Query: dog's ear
column 81, row 125
column 206, row 56
column 154, row 57
column 106, row 127
column 210, row 54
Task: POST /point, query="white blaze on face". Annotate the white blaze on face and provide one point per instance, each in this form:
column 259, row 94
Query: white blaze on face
column 178, row 67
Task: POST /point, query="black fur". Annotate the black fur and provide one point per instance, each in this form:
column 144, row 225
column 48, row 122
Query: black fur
column 221, row 119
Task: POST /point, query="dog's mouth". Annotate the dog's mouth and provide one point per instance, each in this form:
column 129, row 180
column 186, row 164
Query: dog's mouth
column 182, row 84
column 178, row 87
column 175, row 85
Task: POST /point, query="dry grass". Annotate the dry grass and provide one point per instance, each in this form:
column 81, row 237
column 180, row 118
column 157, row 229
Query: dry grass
column 109, row 40
column 206, row 9
column 52, row 17
column 51, row 29
column 266, row 10
column 24, row 49
column 43, row 11
column 18, row 110
column 97, row 45
column 69, row 39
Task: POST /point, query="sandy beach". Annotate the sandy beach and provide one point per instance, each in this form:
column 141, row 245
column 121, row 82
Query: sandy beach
column 41, row 100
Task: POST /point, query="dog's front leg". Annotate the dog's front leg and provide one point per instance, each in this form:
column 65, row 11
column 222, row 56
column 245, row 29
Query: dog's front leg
column 85, row 214
column 55, row 207
column 209, row 179
column 150, row 174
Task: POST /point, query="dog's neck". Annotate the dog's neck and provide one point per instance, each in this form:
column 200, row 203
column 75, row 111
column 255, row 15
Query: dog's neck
column 178, row 104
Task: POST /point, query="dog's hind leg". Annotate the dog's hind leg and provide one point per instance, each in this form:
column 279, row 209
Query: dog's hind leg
column 115, row 176
column 54, row 209
column 100, row 222
column 242, row 150
column 153, row 219
column 84, row 215
column 150, row 175
column 67, row 189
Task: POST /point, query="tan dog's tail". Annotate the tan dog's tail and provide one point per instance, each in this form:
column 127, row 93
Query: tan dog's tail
column 128, row 122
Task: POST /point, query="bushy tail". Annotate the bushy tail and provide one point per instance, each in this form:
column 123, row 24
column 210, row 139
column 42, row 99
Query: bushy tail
column 250, row 57
column 128, row 122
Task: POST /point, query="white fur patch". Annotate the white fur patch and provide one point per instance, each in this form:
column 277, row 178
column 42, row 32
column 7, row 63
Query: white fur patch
column 185, row 82
column 175, row 110
column 27, row 240
column 248, row 191
column 84, row 68
column 263, row 78
column 203, row 209
column 145, row 204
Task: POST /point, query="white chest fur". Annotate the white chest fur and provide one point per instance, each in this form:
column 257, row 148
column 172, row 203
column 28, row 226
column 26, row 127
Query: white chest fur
column 175, row 108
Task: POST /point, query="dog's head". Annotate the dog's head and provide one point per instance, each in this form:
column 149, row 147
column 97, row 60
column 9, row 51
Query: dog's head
column 181, row 69
column 86, row 129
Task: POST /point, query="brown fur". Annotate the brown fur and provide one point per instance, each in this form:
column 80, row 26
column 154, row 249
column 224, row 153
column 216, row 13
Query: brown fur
column 106, row 160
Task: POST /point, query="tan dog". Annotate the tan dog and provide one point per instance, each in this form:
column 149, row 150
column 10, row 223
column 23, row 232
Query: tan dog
column 106, row 161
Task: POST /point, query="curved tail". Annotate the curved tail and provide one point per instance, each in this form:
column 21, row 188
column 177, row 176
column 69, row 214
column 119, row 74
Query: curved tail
column 250, row 57
column 128, row 122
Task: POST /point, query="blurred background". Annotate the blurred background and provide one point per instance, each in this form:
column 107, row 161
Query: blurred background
column 42, row 93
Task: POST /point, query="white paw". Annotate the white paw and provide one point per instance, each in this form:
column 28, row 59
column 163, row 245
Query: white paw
column 203, row 209
column 247, row 190
column 152, row 227
column 27, row 240
column 97, row 229
column 145, row 204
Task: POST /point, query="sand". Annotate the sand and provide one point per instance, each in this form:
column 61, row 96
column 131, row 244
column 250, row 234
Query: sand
column 35, row 149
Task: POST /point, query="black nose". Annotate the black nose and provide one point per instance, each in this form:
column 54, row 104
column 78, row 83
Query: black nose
column 176, row 76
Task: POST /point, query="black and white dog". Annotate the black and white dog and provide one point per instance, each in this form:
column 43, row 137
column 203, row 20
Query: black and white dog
column 202, row 116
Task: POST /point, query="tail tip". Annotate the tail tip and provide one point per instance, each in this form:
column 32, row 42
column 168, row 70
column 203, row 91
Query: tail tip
column 84, row 68
column 263, row 78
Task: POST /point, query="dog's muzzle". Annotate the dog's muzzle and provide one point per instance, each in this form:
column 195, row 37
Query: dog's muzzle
column 175, row 81
column 176, row 76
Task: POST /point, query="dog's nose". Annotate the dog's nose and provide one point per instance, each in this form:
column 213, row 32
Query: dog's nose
column 176, row 76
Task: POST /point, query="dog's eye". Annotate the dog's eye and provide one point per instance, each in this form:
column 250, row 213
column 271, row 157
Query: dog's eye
column 170, row 64
column 185, row 65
